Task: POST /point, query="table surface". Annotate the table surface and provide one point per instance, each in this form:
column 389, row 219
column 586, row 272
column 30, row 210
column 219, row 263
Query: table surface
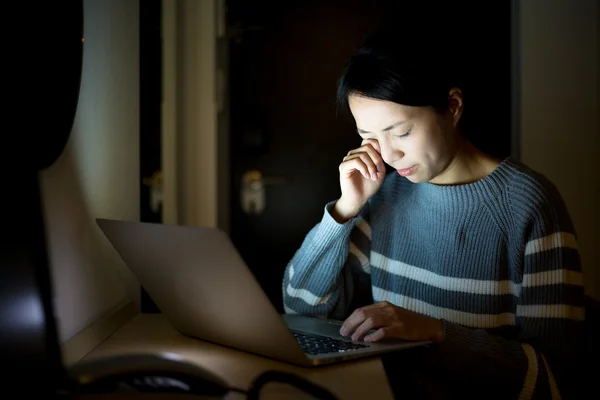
column 152, row 333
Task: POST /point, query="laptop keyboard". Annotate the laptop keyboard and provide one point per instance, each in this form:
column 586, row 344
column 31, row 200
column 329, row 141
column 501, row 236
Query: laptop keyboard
column 322, row 344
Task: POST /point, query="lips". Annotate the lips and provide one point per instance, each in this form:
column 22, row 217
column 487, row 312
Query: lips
column 407, row 171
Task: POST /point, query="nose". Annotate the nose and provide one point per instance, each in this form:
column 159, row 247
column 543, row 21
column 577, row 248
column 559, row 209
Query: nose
column 389, row 153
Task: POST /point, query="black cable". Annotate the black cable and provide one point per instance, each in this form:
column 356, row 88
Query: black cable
column 237, row 390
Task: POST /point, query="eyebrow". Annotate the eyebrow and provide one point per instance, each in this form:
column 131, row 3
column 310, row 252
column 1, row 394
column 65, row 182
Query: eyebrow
column 385, row 129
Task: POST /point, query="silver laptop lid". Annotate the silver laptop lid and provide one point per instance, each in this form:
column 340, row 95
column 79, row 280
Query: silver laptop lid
column 202, row 285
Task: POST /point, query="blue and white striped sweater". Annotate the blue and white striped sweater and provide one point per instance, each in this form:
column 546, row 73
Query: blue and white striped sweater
column 496, row 260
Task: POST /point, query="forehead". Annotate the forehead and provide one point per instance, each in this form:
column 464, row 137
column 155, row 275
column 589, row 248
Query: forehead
column 378, row 114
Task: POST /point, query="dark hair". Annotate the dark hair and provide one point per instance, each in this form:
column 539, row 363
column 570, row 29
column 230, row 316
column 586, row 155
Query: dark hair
column 404, row 71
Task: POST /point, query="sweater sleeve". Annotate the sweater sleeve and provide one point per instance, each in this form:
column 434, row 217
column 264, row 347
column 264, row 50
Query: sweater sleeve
column 540, row 359
column 329, row 275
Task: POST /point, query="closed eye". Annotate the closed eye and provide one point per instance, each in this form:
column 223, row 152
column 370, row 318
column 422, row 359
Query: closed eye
column 405, row 135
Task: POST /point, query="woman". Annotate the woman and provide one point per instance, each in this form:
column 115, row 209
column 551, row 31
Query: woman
column 474, row 253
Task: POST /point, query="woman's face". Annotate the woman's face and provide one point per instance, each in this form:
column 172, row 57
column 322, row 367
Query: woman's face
column 418, row 142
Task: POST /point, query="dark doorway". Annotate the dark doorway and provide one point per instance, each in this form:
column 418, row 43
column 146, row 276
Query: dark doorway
column 285, row 59
column 150, row 63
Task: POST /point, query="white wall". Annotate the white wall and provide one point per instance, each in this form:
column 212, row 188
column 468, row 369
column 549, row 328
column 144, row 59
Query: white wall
column 559, row 111
column 98, row 174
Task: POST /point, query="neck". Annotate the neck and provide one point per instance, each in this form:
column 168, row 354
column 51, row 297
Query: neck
column 468, row 165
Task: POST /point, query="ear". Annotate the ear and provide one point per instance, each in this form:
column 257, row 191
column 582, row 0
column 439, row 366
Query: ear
column 455, row 105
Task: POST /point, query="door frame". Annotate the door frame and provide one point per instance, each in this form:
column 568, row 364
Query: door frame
column 169, row 142
column 185, row 179
column 194, row 150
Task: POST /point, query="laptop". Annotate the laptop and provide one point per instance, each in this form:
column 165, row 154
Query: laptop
column 205, row 290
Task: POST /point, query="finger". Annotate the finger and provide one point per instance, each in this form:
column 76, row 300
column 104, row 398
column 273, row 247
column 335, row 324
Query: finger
column 367, row 160
column 351, row 164
column 377, row 146
column 370, row 163
column 381, row 304
column 375, row 155
column 369, row 148
column 355, row 319
column 363, row 160
column 379, row 334
column 373, row 143
column 364, row 313
column 372, row 148
column 373, row 322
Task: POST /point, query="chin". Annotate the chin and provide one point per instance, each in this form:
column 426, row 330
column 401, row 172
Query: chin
column 417, row 178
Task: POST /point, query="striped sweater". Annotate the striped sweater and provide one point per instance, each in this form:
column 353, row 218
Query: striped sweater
column 496, row 260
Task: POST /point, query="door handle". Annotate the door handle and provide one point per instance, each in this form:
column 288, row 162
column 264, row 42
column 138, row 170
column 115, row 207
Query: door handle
column 155, row 182
column 253, row 196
